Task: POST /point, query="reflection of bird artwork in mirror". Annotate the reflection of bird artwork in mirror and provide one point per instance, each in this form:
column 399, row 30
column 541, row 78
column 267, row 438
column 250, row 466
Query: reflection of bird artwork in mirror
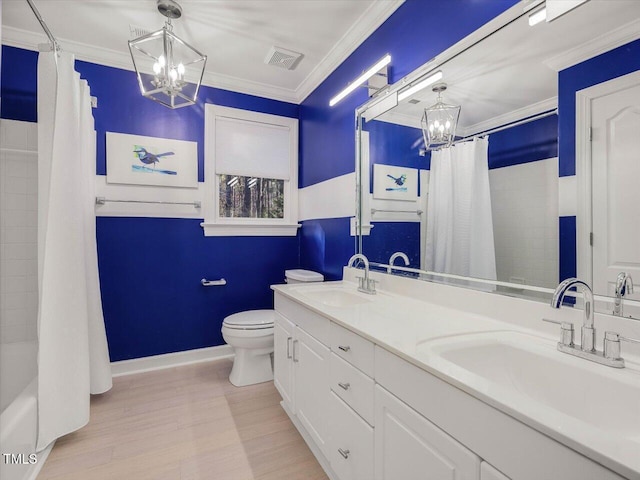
column 398, row 181
column 149, row 158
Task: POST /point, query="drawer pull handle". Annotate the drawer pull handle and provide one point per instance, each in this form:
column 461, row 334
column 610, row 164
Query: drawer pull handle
column 344, row 348
column 344, row 386
column 344, row 453
column 289, row 347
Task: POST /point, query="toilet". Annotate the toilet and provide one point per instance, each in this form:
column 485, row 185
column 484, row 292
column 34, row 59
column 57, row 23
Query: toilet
column 250, row 334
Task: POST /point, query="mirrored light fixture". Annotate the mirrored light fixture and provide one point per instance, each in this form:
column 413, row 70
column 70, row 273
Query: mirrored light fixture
column 419, row 85
column 169, row 70
column 439, row 121
column 537, row 16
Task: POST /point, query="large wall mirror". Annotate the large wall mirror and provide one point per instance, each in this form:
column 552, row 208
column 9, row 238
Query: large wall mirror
column 542, row 181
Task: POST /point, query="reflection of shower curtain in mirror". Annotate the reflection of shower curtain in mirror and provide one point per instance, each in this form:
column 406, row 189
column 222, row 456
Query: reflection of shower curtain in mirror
column 459, row 221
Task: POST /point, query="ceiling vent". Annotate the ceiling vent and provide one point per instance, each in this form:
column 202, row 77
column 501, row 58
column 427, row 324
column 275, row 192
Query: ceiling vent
column 413, row 101
column 136, row 31
column 283, row 58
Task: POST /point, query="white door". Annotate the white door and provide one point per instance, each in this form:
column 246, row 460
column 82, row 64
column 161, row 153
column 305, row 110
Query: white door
column 615, row 159
column 283, row 359
column 311, row 360
column 410, row 447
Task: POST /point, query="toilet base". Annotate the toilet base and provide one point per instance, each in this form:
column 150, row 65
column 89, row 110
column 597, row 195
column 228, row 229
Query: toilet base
column 251, row 366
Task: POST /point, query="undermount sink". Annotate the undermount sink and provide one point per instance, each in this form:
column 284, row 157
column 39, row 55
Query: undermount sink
column 334, row 297
column 520, row 365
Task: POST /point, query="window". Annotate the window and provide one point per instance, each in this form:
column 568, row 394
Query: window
column 251, row 173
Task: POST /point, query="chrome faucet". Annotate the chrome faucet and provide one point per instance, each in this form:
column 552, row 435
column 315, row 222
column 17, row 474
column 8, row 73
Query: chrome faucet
column 365, row 284
column 610, row 354
column 401, row 255
column 588, row 332
column 624, row 285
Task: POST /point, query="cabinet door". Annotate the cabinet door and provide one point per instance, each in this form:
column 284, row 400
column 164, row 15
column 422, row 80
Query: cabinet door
column 311, row 360
column 283, row 359
column 351, row 442
column 409, row 447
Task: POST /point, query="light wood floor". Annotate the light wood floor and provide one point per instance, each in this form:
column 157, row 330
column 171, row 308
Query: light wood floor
column 185, row 423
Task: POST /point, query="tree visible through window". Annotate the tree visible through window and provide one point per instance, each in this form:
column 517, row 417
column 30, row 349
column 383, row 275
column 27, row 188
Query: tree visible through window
column 251, row 197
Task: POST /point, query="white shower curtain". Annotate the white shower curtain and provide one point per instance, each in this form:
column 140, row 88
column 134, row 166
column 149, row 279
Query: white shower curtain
column 459, row 220
column 73, row 359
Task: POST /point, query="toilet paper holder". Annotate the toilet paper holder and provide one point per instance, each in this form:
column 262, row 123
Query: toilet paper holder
column 212, row 283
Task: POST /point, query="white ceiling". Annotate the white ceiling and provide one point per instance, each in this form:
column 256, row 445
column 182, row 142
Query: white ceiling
column 235, row 34
column 513, row 73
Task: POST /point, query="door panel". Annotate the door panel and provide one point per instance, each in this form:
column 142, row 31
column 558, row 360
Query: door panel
column 615, row 158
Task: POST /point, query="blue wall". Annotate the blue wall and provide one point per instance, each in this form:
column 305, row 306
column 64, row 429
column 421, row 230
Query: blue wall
column 609, row 65
column 415, row 33
column 150, row 268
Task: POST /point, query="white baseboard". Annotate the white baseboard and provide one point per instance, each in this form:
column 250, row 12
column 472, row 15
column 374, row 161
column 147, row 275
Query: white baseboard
column 169, row 360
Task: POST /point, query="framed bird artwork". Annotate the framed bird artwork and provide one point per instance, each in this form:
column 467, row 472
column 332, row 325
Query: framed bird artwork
column 395, row 183
column 138, row 160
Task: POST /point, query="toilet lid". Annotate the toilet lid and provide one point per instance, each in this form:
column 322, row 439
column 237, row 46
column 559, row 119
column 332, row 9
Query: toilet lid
column 251, row 319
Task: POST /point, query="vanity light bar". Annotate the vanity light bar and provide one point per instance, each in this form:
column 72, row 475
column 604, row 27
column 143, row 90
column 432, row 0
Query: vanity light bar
column 386, row 60
column 420, row 85
column 537, row 16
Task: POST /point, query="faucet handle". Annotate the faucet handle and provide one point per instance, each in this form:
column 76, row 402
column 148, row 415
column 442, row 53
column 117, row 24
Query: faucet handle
column 612, row 344
column 566, row 331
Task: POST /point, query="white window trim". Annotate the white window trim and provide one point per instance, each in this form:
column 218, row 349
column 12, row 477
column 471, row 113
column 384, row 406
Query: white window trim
column 213, row 224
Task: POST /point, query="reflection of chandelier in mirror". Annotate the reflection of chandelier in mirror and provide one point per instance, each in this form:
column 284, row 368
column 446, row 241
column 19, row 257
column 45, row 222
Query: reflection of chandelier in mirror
column 164, row 63
column 439, row 121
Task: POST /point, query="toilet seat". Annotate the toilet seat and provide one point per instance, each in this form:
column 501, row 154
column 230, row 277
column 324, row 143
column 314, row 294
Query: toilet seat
column 250, row 320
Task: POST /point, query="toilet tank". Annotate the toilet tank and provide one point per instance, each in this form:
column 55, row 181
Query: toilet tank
column 302, row 276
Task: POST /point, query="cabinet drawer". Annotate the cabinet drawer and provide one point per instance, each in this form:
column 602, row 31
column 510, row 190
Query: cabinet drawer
column 351, row 450
column 352, row 386
column 353, row 348
column 315, row 325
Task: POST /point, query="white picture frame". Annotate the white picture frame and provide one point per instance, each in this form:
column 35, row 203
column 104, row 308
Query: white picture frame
column 391, row 182
column 139, row 160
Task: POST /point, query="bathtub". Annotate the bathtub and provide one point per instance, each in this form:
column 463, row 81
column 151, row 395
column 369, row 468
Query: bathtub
column 18, row 420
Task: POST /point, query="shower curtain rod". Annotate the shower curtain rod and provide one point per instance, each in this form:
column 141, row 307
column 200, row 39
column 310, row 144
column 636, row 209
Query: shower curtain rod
column 54, row 43
column 509, row 125
column 497, row 129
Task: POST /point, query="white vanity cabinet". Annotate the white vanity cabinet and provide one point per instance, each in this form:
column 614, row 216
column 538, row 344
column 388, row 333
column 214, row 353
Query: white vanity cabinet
column 283, row 332
column 301, row 367
column 410, row 447
column 369, row 414
column 351, row 418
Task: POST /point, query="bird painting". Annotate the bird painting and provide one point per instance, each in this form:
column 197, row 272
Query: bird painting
column 151, row 159
column 399, row 180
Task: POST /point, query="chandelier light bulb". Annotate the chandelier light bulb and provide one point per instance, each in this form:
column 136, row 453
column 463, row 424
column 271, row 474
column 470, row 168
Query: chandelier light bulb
column 156, row 68
column 173, row 74
column 161, row 61
column 181, row 69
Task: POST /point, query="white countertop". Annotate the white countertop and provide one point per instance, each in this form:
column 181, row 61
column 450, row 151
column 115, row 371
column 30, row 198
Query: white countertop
column 402, row 324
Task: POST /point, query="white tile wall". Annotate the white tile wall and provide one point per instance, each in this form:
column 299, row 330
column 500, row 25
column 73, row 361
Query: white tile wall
column 524, row 200
column 18, row 231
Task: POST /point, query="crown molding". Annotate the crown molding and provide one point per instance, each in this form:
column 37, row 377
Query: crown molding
column 28, row 40
column 599, row 45
column 368, row 22
column 509, row 117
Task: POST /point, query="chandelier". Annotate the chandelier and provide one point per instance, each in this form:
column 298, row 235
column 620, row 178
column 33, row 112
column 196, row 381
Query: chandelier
column 439, row 121
column 169, row 70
